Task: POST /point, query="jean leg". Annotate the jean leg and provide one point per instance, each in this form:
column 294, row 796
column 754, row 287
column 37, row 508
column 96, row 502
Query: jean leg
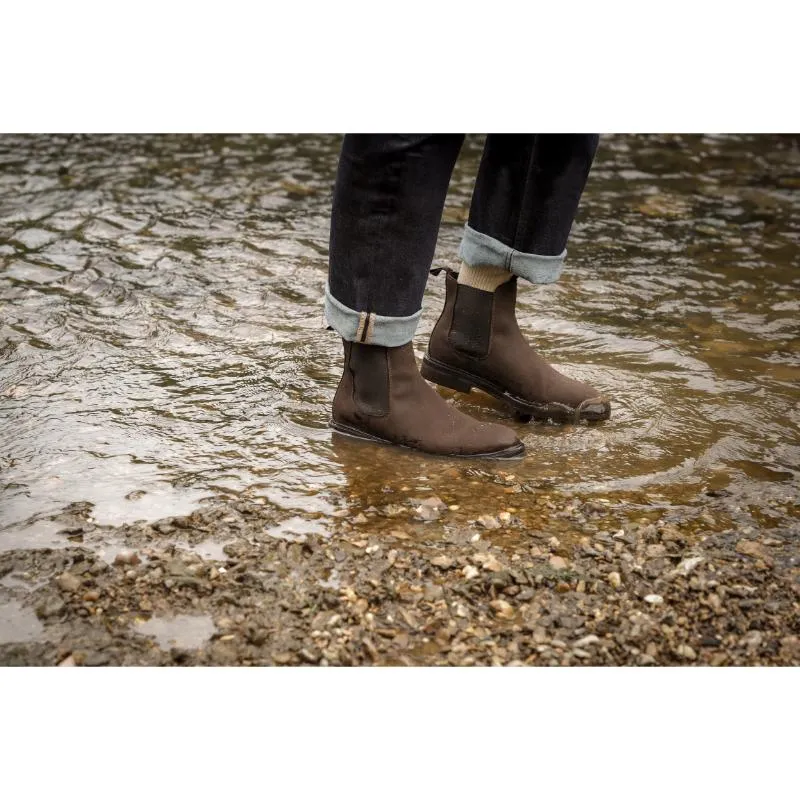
column 388, row 200
column 525, row 201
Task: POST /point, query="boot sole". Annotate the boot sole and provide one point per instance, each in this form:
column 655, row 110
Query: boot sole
column 515, row 451
column 594, row 410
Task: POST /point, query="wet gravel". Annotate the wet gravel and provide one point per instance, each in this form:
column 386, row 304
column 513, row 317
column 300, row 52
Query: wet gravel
column 415, row 583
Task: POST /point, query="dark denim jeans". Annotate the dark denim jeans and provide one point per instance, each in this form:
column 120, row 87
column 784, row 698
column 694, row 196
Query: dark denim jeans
column 388, row 200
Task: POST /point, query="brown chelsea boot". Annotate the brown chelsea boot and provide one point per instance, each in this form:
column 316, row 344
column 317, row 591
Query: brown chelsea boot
column 383, row 398
column 477, row 343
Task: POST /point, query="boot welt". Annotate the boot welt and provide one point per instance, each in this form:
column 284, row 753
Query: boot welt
column 592, row 410
column 514, row 451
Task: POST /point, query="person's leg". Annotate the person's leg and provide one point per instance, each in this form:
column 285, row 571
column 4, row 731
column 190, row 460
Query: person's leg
column 523, row 207
column 525, row 199
column 388, row 200
column 387, row 206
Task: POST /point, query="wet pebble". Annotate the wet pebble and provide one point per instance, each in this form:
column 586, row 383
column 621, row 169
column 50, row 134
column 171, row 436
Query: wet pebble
column 685, row 651
column 427, row 513
column 126, row 558
column 68, row 582
column 688, row 565
column 502, row 609
column 654, row 599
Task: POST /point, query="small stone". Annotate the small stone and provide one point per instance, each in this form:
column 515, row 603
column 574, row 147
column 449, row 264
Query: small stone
column 752, row 640
column 754, row 550
column 587, row 640
column 614, row 579
column 69, row 661
column 489, row 522
column 393, row 510
column 488, row 562
column 654, row 599
column 68, row 582
column 685, row 651
column 443, row 562
column 554, row 543
column 557, row 562
column 310, row 655
column 91, row 596
column 790, row 648
column 127, row 558
column 469, row 572
column 687, row 565
column 454, row 507
column 359, row 519
column 426, row 513
column 493, row 565
column 434, row 502
column 504, row 517
column 502, row 609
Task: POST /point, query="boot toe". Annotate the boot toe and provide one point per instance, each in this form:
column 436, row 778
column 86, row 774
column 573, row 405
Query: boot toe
column 594, row 409
column 493, row 439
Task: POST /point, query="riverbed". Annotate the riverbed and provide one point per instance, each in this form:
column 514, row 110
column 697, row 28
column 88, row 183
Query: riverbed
column 170, row 491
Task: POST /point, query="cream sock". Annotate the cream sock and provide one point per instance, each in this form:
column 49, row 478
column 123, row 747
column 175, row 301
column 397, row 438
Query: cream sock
column 484, row 277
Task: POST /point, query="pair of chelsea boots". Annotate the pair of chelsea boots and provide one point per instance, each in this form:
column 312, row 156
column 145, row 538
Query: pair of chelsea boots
column 477, row 343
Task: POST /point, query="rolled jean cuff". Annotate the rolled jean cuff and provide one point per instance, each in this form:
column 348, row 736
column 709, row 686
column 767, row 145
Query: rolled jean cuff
column 366, row 327
column 477, row 249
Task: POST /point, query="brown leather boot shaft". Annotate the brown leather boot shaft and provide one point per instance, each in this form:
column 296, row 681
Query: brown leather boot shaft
column 477, row 343
column 383, row 397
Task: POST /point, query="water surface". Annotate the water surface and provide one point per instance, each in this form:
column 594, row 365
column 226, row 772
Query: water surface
column 162, row 343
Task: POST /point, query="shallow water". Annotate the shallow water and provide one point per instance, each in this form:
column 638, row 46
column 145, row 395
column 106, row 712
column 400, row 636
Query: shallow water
column 161, row 336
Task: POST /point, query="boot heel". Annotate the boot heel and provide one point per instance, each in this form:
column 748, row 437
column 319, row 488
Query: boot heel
column 438, row 373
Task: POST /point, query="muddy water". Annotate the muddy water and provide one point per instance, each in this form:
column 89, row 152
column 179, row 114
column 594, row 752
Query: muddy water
column 161, row 339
